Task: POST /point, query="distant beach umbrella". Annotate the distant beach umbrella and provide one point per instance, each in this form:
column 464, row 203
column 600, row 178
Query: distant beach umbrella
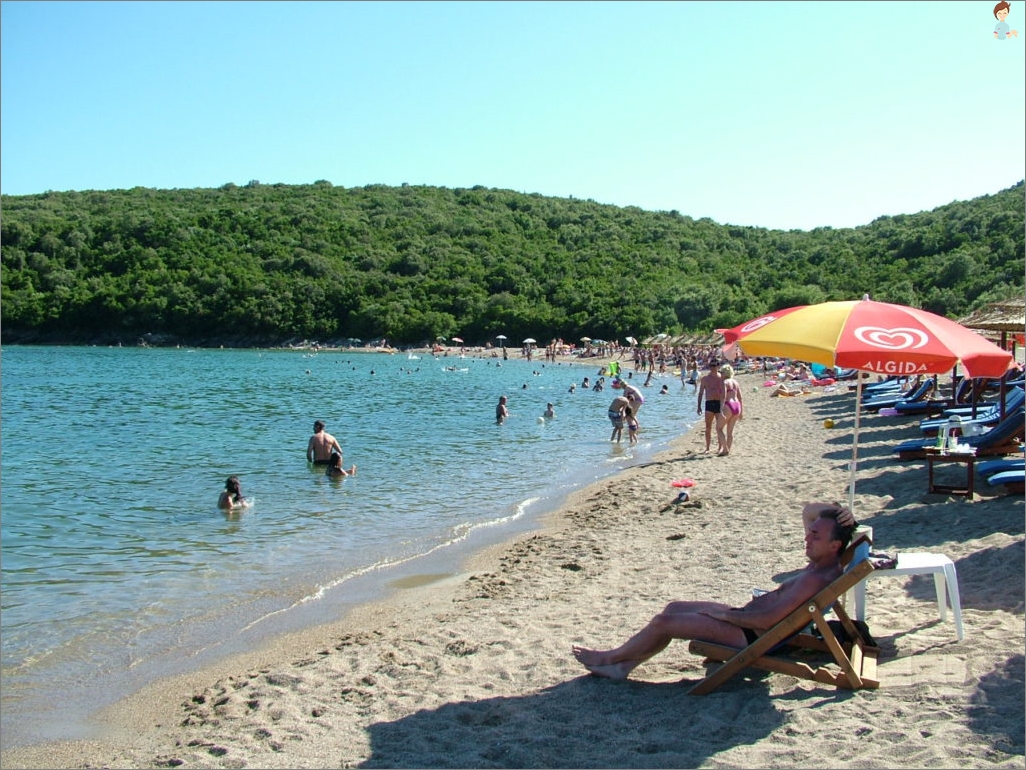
column 869, row 336
column 457, row 339
column 530, row 341
column 500, row 336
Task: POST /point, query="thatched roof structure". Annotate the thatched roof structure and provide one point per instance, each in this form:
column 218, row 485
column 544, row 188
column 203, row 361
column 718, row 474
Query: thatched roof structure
column 1005, row 316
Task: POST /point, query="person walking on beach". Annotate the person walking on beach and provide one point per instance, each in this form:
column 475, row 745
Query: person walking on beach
column 692, row 372
column 825, row 539
column 501, row 411
column 232, row 495
column 710, row 388
column 616, row 412
column 733, row 406
column 321, row 445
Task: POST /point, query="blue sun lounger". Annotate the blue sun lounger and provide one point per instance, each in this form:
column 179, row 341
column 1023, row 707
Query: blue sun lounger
column 1014, row 480
column 1002, row 439
column 900, row 397
column 989, row 467
column 1014, row 399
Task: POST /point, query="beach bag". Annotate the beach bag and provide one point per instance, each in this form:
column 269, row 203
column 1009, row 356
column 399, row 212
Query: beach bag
column 734, row 405
column 842, row 636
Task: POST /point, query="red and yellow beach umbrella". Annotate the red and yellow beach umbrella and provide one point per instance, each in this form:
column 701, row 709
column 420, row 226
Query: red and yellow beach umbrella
column 869, row 336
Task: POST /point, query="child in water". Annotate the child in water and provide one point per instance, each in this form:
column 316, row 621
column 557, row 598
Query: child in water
column 232, row 495
column 335, row 468
column 632, row 425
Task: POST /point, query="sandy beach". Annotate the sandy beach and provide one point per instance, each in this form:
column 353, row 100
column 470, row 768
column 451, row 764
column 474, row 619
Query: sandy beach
column 474, row 669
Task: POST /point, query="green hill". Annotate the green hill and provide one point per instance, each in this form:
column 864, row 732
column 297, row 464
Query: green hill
column 261, row 264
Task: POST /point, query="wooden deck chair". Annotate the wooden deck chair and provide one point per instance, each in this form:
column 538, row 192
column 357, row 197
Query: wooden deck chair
column 853, row 666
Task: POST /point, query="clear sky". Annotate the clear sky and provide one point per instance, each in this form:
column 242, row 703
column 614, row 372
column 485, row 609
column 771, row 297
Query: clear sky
column 775, row 114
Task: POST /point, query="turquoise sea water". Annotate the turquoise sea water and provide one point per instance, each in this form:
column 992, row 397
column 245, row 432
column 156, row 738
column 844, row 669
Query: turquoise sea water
column 117, row 567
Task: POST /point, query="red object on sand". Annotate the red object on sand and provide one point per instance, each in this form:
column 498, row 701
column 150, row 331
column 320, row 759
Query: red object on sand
column 683, row 483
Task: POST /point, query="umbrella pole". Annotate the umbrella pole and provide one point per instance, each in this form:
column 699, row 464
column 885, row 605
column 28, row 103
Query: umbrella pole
column 855, row 442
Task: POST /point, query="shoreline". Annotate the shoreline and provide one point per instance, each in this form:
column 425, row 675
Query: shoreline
column 473, row 669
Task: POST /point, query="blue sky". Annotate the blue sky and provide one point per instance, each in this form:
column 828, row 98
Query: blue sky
column 774, row 114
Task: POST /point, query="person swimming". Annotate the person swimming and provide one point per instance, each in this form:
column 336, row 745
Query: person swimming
column 335, row 468
column 232, row 495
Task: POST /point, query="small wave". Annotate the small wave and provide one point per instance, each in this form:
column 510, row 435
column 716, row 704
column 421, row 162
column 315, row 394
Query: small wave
column 459, row 534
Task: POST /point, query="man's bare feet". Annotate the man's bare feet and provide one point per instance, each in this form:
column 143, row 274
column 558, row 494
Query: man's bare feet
column 597, row 663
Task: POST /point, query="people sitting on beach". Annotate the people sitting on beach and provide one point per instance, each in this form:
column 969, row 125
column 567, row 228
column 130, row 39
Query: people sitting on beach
column 784, row 390
column 232, row 495
column 321, row 445
column 335, row 468
column 826, row 536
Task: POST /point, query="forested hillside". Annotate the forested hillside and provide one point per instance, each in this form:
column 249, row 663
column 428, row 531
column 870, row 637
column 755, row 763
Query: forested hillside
column 266, row 263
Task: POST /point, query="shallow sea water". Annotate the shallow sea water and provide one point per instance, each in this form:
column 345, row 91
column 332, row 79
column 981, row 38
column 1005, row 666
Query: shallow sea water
column 117, row 568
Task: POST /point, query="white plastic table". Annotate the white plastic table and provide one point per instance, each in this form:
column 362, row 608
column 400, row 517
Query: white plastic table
column 944, row 577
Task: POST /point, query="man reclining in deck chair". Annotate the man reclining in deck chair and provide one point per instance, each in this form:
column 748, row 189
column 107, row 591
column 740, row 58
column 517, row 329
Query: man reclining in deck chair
column 828, row 531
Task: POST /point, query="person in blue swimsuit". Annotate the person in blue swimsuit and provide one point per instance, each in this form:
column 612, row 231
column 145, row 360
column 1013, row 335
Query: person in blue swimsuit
column 632, row 425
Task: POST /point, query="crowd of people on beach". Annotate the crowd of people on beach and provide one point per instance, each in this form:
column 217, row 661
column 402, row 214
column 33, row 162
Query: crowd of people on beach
column 718, row 392
column 719, row 398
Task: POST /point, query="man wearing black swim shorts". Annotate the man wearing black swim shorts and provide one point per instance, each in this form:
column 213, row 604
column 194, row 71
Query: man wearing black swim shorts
column 710, row 387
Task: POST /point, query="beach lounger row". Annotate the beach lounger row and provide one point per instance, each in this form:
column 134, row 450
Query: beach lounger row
column 1003, row 438
column 1015, row 398
column 1009, row 473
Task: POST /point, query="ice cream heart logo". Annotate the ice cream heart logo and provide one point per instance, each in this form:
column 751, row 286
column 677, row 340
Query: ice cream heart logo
column 758, row 323
column 892, row 339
